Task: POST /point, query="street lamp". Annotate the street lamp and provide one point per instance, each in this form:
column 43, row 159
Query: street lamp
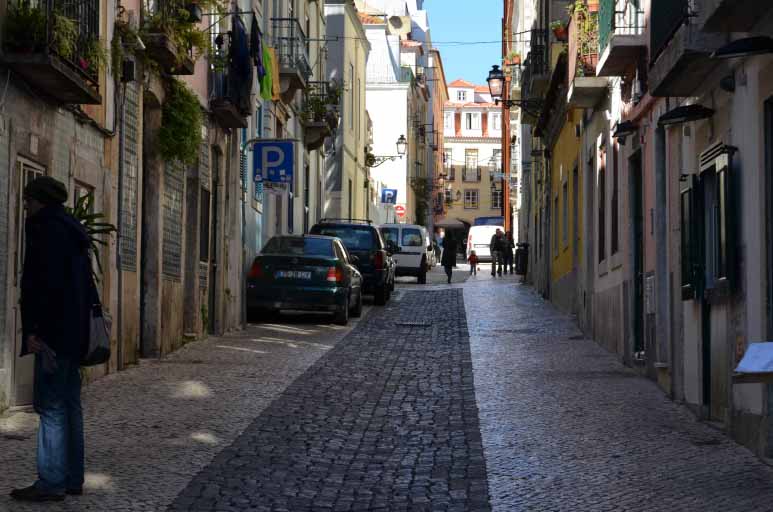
column 496, row 80
column 376, row 160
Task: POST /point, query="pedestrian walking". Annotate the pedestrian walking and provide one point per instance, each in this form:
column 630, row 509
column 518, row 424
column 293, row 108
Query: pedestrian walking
column 497, row 248
column 57, row 292
column 473, row 260
column 508, row 253
column 449, row 255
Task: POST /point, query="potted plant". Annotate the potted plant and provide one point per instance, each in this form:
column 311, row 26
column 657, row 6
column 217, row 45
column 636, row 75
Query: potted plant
column 559, row 30
column 593, row 5
column 24, row 29
column 64, row 36
column 94, row 55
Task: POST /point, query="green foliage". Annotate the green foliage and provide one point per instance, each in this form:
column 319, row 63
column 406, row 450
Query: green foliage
column 181, row 119
column 420, row 188
column 95, row 54
column 556, row 24
column 24, row 27
column 64, row 36
column 94, row 224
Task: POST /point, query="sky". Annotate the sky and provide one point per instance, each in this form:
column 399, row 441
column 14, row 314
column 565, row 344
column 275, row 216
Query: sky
column 466, row 20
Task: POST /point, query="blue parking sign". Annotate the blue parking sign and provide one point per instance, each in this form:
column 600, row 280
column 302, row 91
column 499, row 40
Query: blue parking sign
column 273, row 161
column 389, row 196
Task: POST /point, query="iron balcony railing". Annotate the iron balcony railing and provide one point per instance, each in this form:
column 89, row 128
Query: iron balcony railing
column 291, row 45
column 619, row 17
column 539, row 52
column 471, row 174
column 665, row 19
column 583, row 44
column 85, row 14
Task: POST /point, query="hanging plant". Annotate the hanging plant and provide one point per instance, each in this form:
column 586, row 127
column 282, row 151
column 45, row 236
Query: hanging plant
column 181, row 119
column 95, row 226
column 94, row 55
column 24, row 28
column 64, row 36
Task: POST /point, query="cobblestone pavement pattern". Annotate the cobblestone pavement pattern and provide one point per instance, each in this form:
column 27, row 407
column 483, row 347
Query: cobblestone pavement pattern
column 150, row 429
column 385, row 421
column 566, row 427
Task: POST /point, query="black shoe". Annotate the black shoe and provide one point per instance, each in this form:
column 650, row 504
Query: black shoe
column 75, row 492
column 32, row 493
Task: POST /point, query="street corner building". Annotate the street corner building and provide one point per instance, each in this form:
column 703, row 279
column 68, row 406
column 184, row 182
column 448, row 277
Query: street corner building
column 646, row 133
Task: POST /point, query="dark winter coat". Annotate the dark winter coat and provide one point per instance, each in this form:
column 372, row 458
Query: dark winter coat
column 57, row 290
column 449, row 252
column 498, row 243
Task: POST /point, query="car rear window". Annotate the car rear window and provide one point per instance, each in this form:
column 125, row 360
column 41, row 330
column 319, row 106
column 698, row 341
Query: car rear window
column 299, row 246
column 412, row 238
column 390, row 234
column 354, row 238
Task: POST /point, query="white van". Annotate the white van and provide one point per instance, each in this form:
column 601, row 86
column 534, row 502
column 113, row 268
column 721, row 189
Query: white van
column 413, row 240
column 479, row 240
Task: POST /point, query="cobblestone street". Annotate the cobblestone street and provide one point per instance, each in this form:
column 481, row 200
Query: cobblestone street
column 474, row 396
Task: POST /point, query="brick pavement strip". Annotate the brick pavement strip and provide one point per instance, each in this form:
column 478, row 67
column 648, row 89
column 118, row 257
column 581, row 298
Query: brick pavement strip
column 565, row 426
column 387, row 420
column 150, row 429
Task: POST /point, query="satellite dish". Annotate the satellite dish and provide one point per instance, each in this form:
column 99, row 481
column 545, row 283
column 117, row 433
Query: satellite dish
column 399, row 25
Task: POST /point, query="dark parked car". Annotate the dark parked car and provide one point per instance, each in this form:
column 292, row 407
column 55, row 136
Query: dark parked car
column 375, row 262
column 308, row 273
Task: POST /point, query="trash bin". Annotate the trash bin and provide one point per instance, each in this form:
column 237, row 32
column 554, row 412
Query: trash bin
column 522, row 258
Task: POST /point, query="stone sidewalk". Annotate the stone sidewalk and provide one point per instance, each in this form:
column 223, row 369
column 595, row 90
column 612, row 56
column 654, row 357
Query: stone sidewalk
column 150, row 429
column 567, row 427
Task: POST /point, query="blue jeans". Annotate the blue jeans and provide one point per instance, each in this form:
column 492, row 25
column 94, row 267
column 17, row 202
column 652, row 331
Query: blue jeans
column 57, row 399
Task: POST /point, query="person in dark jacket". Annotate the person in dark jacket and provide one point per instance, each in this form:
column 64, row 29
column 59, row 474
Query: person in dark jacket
column 508, row 252
column 497, row 248
column 57, row 292
column 449, row 255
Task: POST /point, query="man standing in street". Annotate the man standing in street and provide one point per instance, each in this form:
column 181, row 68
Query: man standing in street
column 449, row 256
column 497, row 248
column 57, row 292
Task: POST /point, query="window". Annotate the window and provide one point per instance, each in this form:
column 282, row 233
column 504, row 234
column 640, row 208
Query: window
column 172, row 242
column 688, row 242
column 390, row 234
column 496, row 121
column 449, row 197
column 471, row 171
column 204, row 226
column 461, row 95
column 471, row 199
column 602, row 206
column 127, row 241
column 565, row 214
column 496, row 199
column 613, row 207
column 299, row 246
column 351, row 96
column 354, row 238
column 412, row 238
column 555, row 226
column 472, row 120
column 448, row 120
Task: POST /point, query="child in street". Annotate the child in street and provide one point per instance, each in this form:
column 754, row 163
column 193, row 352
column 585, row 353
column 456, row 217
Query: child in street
column 473, row 260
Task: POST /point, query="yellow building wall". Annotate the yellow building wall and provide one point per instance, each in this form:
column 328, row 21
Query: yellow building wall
column 564, row 160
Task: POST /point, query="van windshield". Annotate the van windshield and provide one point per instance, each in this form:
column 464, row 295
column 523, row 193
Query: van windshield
column 390, row 234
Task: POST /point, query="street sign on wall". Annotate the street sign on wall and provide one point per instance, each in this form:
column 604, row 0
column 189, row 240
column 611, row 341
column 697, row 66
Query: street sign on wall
column 273, row 163
column 389, row 196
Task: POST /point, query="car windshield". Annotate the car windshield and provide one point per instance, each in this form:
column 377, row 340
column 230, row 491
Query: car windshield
column 411, row 238
column 354, row 238
column 390, row 234
column 299, row 246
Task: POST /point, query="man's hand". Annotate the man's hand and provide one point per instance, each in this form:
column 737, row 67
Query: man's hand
column 34, row 344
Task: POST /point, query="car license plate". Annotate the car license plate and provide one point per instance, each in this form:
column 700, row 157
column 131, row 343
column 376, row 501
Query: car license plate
column 293, row 274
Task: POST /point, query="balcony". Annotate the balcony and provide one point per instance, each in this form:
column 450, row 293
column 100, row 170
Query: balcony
column 734, row 15
column 679, row 49
column 223, row 101
column 471, row 174
column 585, row 89
column 293, row 55
column 69, row 72
column 539, row 62
column 320, row 114
column 621, row 36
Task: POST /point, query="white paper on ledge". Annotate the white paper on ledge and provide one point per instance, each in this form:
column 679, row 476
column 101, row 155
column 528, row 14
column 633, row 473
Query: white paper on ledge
column 757, row 359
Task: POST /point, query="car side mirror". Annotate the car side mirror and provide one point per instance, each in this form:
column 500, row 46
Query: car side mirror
column 354, row 259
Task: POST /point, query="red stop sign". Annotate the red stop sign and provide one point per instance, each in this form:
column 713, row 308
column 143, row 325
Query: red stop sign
column 400, row 210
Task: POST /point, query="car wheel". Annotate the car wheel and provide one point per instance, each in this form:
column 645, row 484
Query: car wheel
column 381, row 295
column 357, row 311
column 422, row 279
column 342, row 316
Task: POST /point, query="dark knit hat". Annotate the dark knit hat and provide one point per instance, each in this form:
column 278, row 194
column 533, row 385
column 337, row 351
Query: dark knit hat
column 47, row 190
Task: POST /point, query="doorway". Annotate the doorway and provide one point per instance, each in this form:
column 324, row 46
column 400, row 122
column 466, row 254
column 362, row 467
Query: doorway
column 637, row 252
column 23, row 368
column 214, row 260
